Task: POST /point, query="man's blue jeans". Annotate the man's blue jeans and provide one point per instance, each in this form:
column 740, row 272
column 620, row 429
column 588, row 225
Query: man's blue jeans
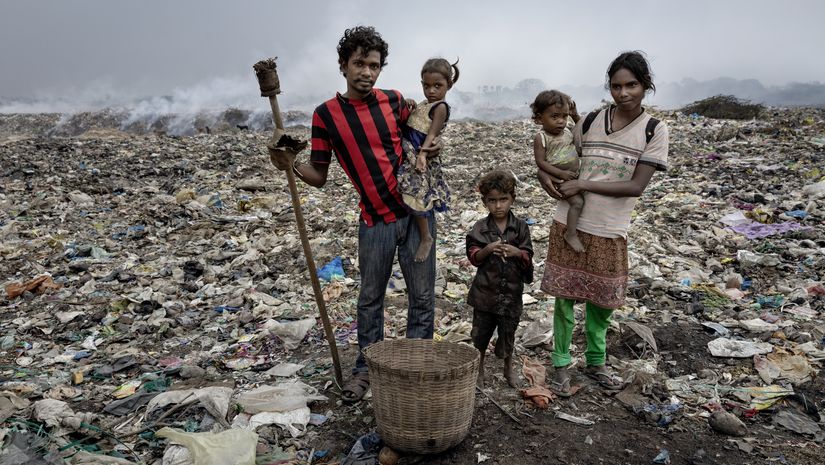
column 377, row 246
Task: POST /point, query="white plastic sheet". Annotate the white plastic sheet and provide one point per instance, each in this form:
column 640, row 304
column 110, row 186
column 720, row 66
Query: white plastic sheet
column 230, row 447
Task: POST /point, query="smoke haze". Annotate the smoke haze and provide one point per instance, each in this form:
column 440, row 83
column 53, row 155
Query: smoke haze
column 187, row 57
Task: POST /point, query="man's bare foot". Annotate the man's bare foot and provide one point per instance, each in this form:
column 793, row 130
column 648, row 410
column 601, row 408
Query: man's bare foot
column 509, row 374
column 424, row 249
column 573, row 241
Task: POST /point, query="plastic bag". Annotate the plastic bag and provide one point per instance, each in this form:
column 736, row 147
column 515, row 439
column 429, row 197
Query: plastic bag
column 284, row 404
column 88, row 458
column 291, row 332
column 722, row 347
column 215, row 399
column 538, row 332
column 230, row 447
column 295, row 421
column 332, row 270
column 285, row 396
column 365, row 450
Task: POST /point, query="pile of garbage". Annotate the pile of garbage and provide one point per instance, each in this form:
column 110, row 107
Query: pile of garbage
column 156, row 305
column 724, row 107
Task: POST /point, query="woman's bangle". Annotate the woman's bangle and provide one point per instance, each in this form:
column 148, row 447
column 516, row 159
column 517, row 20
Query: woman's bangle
column 295, row 169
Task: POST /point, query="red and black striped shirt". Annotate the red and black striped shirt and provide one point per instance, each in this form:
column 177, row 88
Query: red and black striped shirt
column 366, row 138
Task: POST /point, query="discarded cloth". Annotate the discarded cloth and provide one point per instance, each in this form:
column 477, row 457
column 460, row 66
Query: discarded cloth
column 37, row 285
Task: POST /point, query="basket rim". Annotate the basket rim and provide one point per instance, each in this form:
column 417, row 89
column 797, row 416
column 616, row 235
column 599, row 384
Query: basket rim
column 459, row 368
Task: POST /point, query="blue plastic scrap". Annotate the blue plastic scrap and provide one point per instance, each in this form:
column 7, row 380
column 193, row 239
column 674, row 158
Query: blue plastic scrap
column 663, row 457
column 662, row 414
column 332, row 270
column 770, row 301
column 365, row 451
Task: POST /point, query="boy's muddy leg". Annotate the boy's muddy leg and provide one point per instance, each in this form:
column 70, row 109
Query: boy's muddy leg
column 480, row 379
column 426, row 243
column 484, row 324
column 570, row 236
column 509, row 374
column 505, row 346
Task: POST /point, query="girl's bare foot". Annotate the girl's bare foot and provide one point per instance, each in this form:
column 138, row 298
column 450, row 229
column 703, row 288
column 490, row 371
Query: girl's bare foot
column 424, row 248
column 573, row 241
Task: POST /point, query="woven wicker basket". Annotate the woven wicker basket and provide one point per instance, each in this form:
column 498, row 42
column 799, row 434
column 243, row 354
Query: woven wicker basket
column 423, row 392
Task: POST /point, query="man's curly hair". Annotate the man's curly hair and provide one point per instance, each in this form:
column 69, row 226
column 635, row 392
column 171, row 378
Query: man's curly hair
column 364, row 37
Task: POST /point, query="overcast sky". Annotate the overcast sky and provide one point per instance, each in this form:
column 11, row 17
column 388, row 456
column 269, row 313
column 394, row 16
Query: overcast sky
column 157, row 47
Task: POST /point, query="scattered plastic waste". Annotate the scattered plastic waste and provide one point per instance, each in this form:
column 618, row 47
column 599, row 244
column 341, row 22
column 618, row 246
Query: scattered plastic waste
column 365, row 451
column 290, row 332
column 795, row 369
column 538, row 332
column 154, row 280
column 663, row 457
column 644, row 332
column 574, row 419
column 661, row 414
column 797, row 423
column 723, row 347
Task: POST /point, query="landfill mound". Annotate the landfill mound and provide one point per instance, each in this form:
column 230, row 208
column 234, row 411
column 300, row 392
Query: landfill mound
column 156, row 306
column 724, row 107
column 135, row 121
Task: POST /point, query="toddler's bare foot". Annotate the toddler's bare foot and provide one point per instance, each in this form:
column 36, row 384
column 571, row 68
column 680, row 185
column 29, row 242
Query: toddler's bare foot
column 573, row 241
column 424, row 249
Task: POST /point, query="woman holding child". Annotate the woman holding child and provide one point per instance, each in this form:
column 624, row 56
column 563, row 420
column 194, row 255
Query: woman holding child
column 620, row 147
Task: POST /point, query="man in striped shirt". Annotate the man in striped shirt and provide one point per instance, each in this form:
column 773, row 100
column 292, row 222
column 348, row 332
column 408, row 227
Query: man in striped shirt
column 363, row 128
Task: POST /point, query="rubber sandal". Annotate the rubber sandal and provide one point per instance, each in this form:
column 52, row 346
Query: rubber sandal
column 604, row 377
column 356, row 388
column 560, row 384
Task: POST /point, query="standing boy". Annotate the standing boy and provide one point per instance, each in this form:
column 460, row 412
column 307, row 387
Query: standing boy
column 499, row 245
column 362, row 128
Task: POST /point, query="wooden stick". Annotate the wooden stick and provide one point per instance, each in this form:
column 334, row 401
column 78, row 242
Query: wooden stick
column 276, row 116
column 513, row 417
column 299, row 218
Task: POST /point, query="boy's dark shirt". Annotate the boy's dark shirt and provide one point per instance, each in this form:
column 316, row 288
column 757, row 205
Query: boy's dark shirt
column 498, row 284
column 366, row 138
